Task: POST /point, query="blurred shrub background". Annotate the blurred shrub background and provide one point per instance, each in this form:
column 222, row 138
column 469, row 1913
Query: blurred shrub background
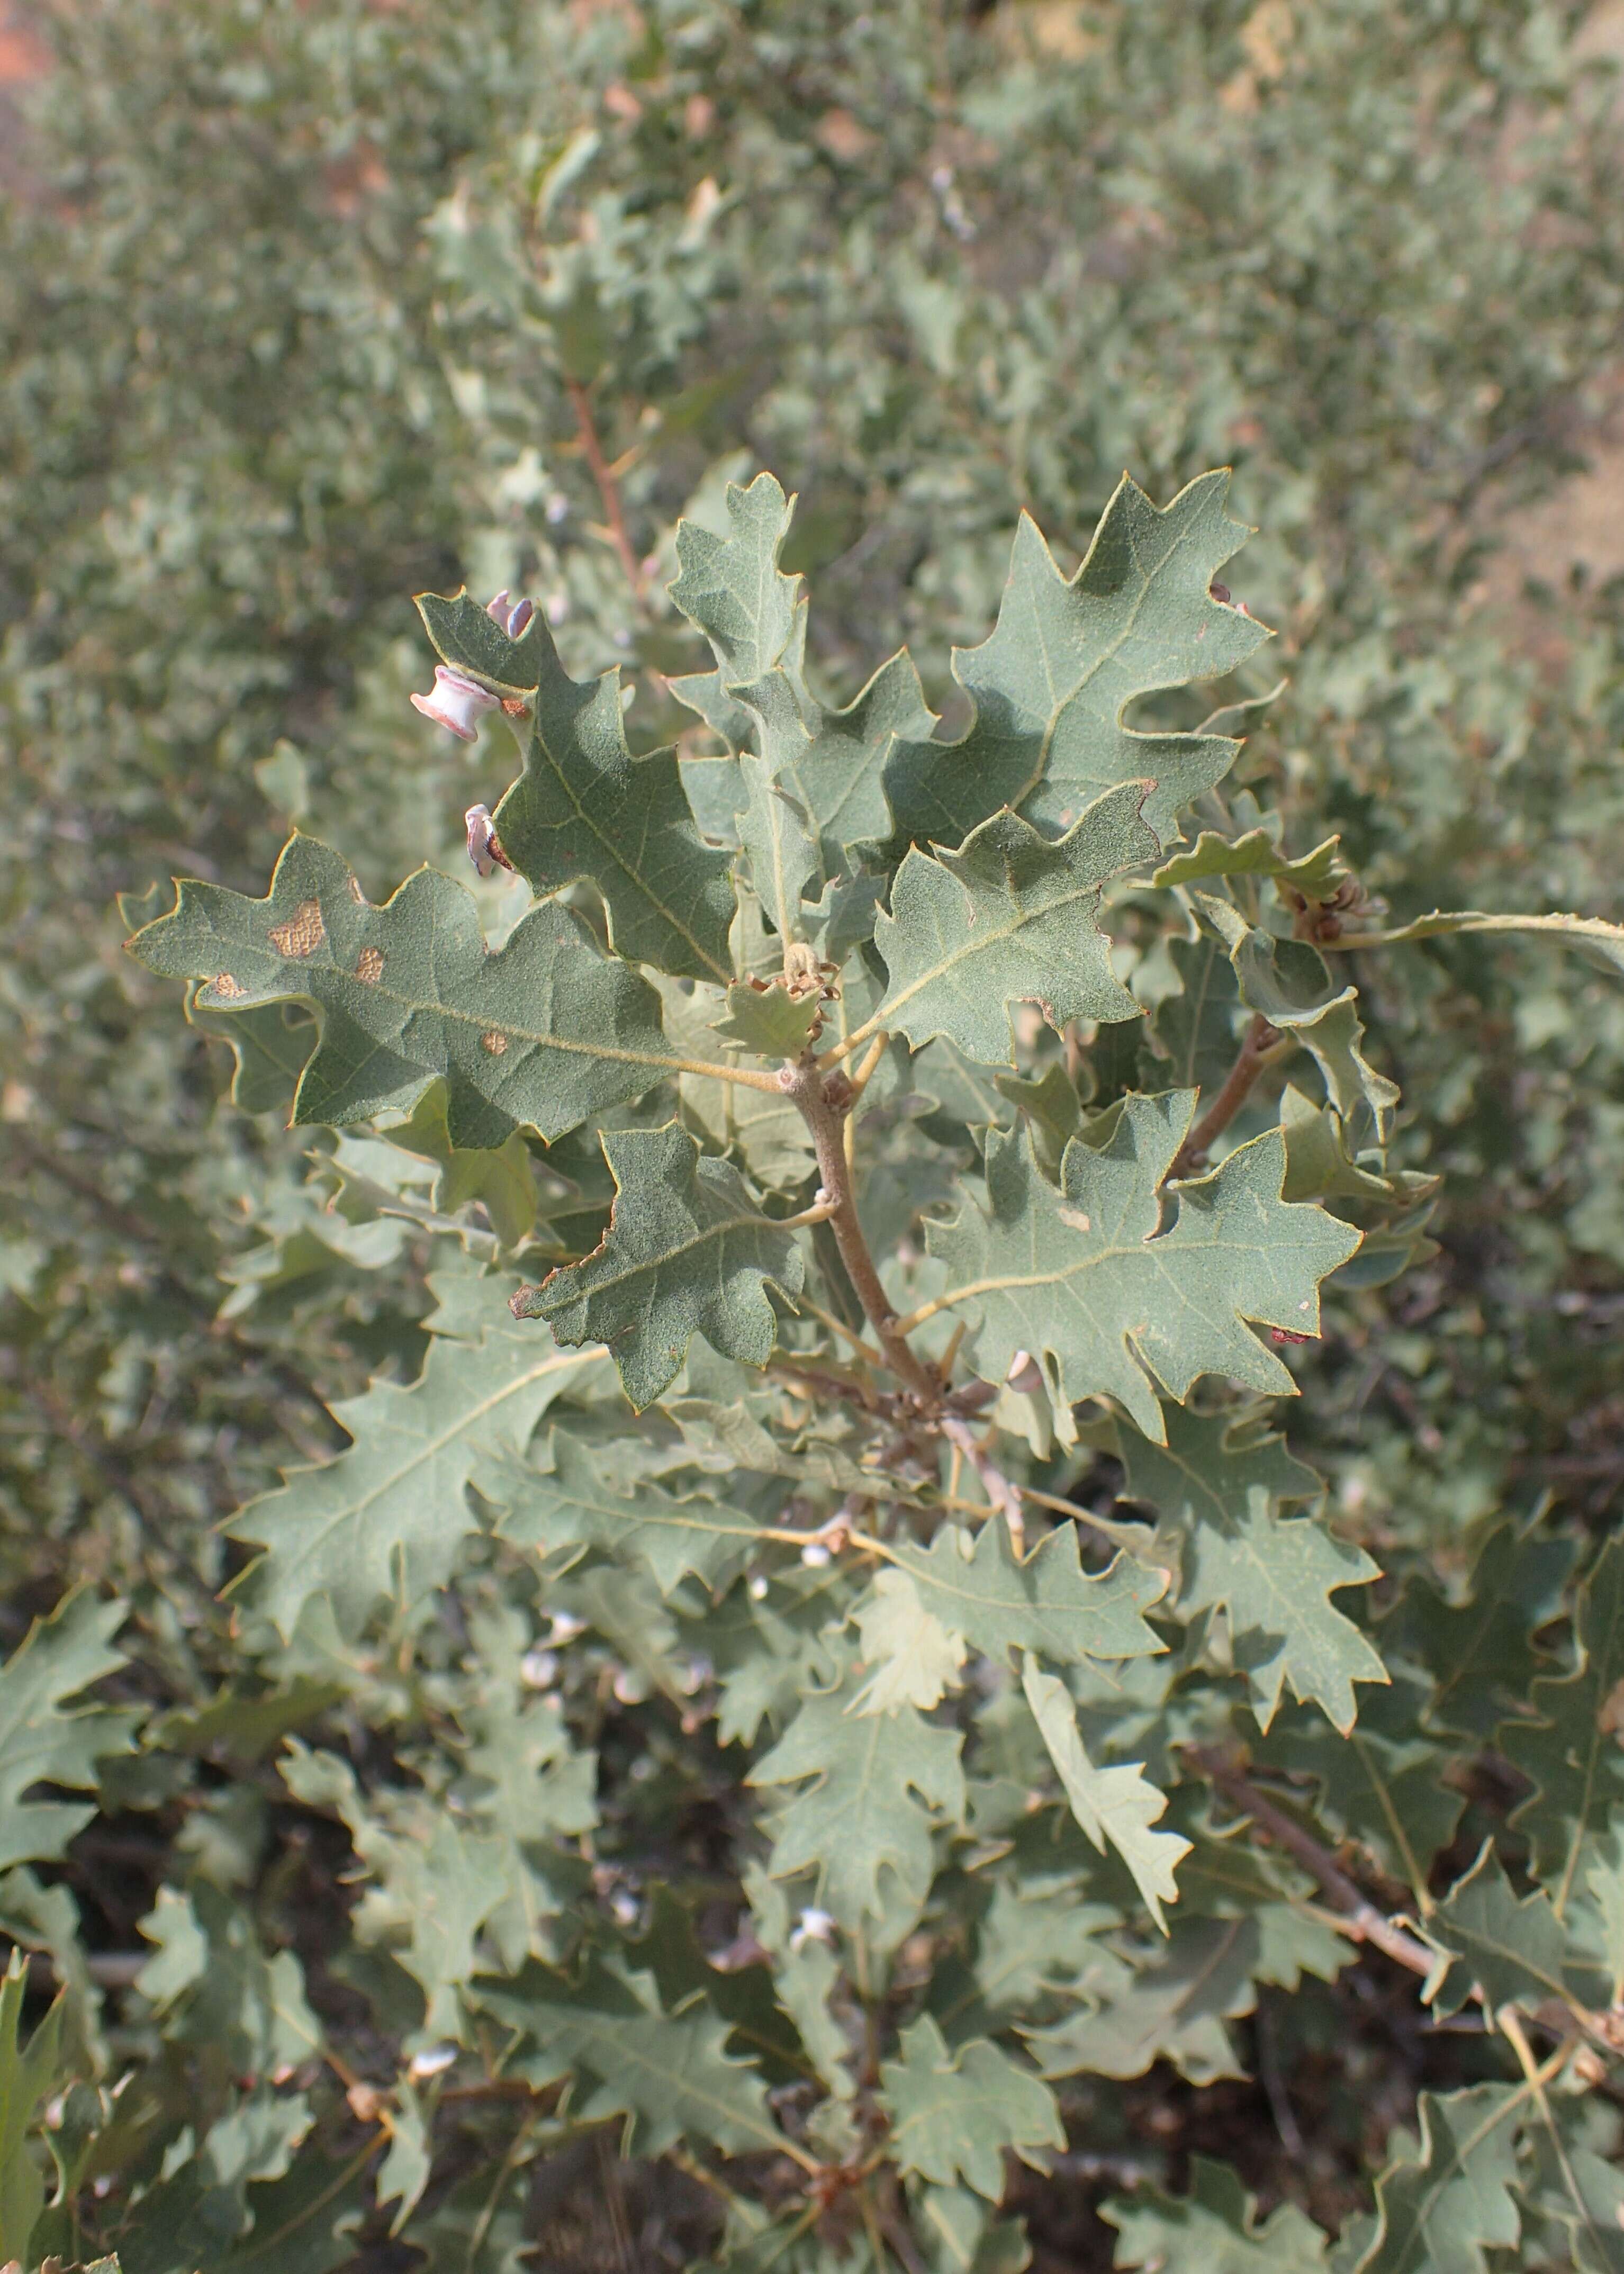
column 304, row 307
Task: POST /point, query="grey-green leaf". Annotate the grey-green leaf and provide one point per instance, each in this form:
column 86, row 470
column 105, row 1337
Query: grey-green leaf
column 766, row 1019
column 1288, row 983
column 1275, row 1577
column 1082, row 1277
column 1009, row 918
column 1213, row 2230
column 754, row 617
column 540, row 1033
column 975, row 1587
column 1115, row 1804
column 584, row 806
column 858, row 1824
column 1255, row 853
column 1051, row 685
column 1510, row 1949
column 686, row 1252
column 1443, row 2203
column 953, row 2114
column 571, row 1504
column 669, row 2076
column 387, row 1516
column 44, row 1740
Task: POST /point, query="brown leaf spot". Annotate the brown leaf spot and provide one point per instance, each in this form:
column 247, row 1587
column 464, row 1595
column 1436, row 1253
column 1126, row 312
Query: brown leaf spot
column 226, row 988
column 356, row 893
column 495, row 1041
column 369, row 966
column 302, row 933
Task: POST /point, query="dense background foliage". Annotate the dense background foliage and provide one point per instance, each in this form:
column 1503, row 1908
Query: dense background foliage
column 308, row 308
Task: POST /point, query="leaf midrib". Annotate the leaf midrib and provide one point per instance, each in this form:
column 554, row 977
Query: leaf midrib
column 489, row 1022
column 982, row 941
column 1107, row 655
column 428, row 1449
column 723, row 972
column 635, row 1268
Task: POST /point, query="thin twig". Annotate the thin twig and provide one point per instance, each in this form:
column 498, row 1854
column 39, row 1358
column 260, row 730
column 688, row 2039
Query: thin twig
column 1131, row 1538
column 944, row 1364
column 1262, row 1047
column 1004, row 1495
column 819, row 1212
column 837, row 1326
column 826, row 1381
column 608, row 488
column 1510, row 2025
column 825, row 1123
column 893, row 2226
column 1365, row 1922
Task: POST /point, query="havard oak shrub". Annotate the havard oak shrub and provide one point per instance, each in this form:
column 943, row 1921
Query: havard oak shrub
column 874, row 1669
column 292, row 300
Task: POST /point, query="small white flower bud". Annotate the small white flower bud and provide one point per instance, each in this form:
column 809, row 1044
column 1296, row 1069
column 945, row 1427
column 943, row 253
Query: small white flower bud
column 538, row 1669
column 456, row 703
column 816, row 1554
column 520, row 618
column 497, row 608
column 432, row 2062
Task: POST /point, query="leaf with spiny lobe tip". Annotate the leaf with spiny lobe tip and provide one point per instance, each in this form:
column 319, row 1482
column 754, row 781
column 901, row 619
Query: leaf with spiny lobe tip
column 1446, row 2200
column 467, row 637
column 1008, row 919
column 1066, row 657
column 764, row 1019
column 575, row 1504
column 687, row 1252
column 1288, row 983
column 1213, row 2230
column 603, row 2032
column 1083, row 1277
column 862, row 1823
column 586, row 807
column 1115, row 1803
column 1512, row 1950
column 1255, row 853
column 1275, row 1577
column 953, row 2114
column 386, row 1516
column 830, row 761
column 976, row 1586
column 1203, row 1472
column 540, row 1033
column 45, row 1741
column 732, row 588
column 1571, row 1753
